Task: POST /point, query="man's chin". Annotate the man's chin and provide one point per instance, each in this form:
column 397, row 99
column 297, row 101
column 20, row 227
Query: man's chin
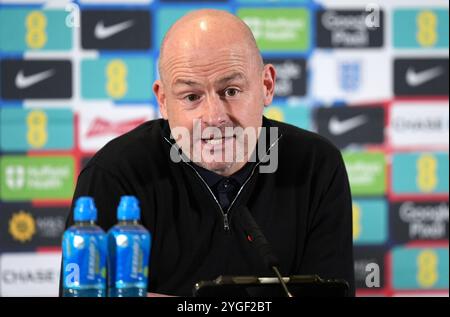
column 221, row 168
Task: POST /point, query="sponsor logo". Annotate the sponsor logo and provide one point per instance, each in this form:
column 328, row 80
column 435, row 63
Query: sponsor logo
column 420, row 28
column 347, row 29
column 122, row 79
column 102, row 32
column 338, row 127
column 23, row 81
column 51, row 227
column 367, row 172
column 419, row 221
column 420, row 268
column 15, row 177
column 350, row 76
column 350, row 126
column 100, row 125
column 36, row 79
column 34, row 30
column 419, row 124
column 421, row 77
column 26, row 178
column 278, row 29
column 29, row 274
column 36, row 129
column 420, row 173
column 116, row 29
column 22, row 226
column 414, row 78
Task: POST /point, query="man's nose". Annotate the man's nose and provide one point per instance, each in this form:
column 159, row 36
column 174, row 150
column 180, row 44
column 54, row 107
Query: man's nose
column 214, row 113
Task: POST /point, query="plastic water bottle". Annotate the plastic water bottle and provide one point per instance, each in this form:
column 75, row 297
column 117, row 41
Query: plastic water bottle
column 129, row 246
column 84, row 248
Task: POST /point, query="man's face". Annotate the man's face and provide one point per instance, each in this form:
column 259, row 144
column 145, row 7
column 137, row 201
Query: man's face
column 213, row 92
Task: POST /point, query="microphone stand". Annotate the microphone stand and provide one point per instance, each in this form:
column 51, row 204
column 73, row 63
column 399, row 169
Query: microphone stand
column 262, row 245
column 283, row 284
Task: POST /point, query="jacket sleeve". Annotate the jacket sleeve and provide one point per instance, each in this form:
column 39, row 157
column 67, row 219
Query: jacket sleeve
column 106, row 190
column 329, row 246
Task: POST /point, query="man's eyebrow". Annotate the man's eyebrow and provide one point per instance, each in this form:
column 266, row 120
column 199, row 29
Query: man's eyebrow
column 231, row 77
column 221, row 81
column 188, row 82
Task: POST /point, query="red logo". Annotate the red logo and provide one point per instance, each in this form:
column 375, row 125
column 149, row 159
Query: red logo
column 101, row 127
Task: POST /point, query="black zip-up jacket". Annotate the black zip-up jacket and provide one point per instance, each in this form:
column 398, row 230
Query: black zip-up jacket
column 303, row 209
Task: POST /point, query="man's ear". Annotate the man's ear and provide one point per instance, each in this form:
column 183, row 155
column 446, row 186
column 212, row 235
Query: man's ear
column 269, row 76
column 158, row 90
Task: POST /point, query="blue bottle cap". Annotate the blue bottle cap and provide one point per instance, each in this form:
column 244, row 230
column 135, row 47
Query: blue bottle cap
column 128, row 208
column 85, row 209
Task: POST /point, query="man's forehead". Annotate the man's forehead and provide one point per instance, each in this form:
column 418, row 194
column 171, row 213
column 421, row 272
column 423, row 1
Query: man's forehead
column 192, row 80
column 207, row 53
column 214, row 65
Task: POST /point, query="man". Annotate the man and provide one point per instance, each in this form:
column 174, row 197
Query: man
column 190, row 188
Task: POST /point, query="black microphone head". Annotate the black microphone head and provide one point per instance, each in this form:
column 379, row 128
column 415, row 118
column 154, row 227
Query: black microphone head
column 256, row 237
column 260, row 243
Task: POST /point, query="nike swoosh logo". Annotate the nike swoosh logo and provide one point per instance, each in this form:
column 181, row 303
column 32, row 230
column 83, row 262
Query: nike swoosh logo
column 338, row 127
column 102, row 32
column 23, row 81
column 415, row 79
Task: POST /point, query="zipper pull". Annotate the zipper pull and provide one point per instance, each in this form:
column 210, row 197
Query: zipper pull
column 226, row 224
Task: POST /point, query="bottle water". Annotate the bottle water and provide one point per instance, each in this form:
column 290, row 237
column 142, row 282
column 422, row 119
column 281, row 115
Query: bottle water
column 129, row 246
column 84, row 248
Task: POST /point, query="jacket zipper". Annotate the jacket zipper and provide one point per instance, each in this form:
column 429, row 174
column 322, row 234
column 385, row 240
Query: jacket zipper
column 226, row 220
column 226, row 224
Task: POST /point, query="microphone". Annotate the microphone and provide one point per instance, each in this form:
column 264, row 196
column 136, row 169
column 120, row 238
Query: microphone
column 257, row 238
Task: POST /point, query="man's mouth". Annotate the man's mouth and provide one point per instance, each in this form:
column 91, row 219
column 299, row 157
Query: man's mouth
column 217, row 141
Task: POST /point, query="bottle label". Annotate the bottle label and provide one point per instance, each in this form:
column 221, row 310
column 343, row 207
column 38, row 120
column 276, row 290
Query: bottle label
column 84, row 260
column 132, row 256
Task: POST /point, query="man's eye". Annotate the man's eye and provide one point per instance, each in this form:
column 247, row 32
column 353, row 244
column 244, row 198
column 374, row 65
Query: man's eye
column 231, row 92
column 192, row 97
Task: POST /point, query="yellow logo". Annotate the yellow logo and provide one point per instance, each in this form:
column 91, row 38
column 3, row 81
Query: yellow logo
column 22, row 226
column 356, row 221
column 274, row 113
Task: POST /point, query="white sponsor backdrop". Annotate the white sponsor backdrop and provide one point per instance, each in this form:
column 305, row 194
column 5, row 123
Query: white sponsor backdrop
column 372, row 68
column 29, row 274
column 347, row 77
column 419, row 124
column 99, row 125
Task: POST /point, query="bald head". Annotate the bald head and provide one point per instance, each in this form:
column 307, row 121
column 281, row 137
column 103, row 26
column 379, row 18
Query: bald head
column 212, row 76
column 204, row 32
